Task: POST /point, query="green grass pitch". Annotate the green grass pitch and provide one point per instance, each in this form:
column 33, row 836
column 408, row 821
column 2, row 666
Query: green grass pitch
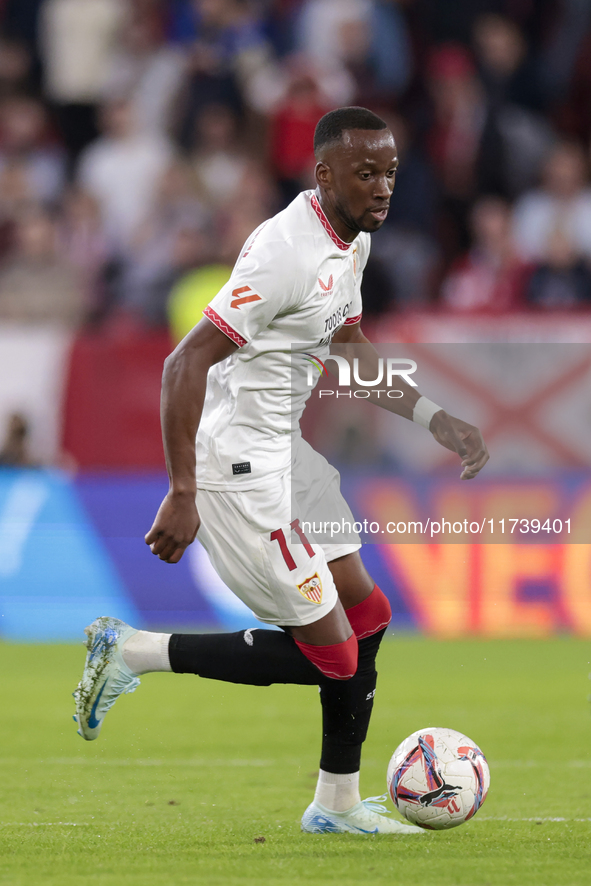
column 189, row 775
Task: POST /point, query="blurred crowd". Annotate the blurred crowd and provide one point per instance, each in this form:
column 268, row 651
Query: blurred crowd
column 141, row 141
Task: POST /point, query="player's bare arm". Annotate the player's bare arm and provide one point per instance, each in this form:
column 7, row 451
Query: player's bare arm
column 184, row 382
column 453, row 433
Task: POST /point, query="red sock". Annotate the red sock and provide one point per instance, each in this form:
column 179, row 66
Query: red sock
column 371, row 615
column 339, row 661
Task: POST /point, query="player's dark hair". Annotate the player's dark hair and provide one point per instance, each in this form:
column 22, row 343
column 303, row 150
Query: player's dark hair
column 330, row 128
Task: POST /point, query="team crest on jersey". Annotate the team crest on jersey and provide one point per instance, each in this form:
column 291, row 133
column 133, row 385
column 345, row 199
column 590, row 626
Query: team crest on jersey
column 326, row 287
column 242, row 296
column 355, row 262
column 311, row 589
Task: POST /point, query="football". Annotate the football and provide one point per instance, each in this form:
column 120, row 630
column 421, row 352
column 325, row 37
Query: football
column 438, row 778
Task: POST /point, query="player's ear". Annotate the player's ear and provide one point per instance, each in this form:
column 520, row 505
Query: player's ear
column 323, row 174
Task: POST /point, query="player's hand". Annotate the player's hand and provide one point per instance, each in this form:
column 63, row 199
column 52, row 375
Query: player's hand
column 460, row 437
column 175, row 527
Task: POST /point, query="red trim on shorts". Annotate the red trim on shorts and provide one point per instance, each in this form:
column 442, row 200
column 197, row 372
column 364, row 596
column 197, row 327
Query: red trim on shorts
column 327, row 225
column 350, row 321
column 224, row 327
column 339, row 661
column 371, row 615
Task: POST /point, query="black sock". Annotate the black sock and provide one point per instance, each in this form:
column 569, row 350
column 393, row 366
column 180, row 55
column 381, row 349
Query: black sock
column 346, row 711
column 256, row 657
column 260, row 658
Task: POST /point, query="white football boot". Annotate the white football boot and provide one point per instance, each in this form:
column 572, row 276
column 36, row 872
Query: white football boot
column 105, row 676
column 366, row 817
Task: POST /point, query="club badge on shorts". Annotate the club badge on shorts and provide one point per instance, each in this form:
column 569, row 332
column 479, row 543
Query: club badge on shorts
column 311, row 589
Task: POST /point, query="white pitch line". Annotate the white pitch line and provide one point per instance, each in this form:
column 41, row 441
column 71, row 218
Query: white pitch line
column 205, row 762
column 505, row 818
column 86, row 824
column 242, row 763
column 85, row 761
column 82, row 761
column 531, row 764
column 44, row 824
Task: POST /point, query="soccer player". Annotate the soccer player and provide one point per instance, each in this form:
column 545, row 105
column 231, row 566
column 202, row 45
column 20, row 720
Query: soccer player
column 232, row 394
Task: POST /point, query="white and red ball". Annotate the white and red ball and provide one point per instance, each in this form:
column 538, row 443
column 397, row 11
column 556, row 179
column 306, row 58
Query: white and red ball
column 438, row 778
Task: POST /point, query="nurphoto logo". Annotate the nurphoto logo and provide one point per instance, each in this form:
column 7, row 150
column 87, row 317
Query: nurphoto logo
column 385, row 371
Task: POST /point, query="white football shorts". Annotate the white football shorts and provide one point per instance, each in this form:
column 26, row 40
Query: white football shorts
column 253, row 545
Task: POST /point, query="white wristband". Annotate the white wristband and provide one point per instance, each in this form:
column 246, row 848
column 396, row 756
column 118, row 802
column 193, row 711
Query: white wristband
column 424, row 411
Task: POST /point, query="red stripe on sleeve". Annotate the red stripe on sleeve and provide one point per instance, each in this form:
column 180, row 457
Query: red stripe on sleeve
column 224, row 327
column 350, row 321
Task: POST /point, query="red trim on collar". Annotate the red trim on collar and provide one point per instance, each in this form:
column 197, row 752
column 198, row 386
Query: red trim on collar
column 327, row 225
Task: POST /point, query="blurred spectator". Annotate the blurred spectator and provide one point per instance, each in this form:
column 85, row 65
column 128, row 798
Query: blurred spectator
column 563, row 280
column 172, row 240
column 334, row 31
column 24, row 145
column 453, row 139
column 146, row 70
column 280, row 20
column 219, row 163
column 242, row 84
column 121, row 170
column 223, row 28
column 271, row 86
column 563, row 46
column 458, row 110
column 491, row 277
column 14, row 448
column 449, row 21
column 82, row 243
column 78, row 38
column 390, row 56
column 516, row 138
column 563, row 204
column 508, row 72
column 369, row 37
column 573, row 115
column 21, row 23
column 255, row 200
column 405, row 245
column 15, row 68
column 414, row 201
column 14, row 197
column 229, row 33
column 291, row 136
column 36, row 285
column 228, row 50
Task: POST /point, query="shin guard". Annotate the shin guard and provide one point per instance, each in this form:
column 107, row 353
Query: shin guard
column 346, row 711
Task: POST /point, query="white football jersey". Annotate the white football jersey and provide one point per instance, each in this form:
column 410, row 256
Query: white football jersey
column 295, row 284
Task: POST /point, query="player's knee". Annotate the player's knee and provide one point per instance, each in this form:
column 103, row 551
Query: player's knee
column 337, row 662
column 371, row 615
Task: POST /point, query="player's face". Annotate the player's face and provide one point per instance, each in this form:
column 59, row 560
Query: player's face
column 357, row 177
